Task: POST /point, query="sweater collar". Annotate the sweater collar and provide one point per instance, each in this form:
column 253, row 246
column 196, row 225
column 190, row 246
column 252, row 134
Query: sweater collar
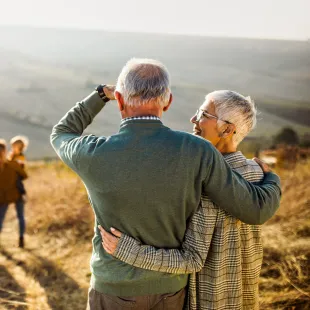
column 140, row 119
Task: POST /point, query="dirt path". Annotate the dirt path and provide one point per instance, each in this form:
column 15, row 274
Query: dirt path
column 47, row 274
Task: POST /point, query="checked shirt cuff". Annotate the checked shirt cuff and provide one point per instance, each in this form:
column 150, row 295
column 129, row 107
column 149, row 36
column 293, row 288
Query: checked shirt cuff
column 127, row 249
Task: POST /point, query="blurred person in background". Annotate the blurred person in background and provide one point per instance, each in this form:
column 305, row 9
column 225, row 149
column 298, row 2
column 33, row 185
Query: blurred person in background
column 223, row 255
column 19, row 145
column 147, row 180
column 10, row 174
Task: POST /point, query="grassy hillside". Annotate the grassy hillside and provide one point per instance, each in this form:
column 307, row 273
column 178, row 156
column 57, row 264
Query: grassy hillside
column 285, row 276
column 43, row 72
column 53, row 271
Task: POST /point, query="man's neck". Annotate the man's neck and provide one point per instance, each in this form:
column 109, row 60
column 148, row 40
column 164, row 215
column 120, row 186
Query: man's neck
column 144, row 110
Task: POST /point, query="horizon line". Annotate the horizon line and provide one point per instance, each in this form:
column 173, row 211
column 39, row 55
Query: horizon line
column 152, row 32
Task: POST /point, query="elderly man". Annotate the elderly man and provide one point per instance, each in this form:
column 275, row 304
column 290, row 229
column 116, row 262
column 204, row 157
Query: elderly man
column 147, row 180
column 223, row 255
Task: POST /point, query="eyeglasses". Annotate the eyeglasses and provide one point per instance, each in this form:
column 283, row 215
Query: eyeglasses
column 202, row 113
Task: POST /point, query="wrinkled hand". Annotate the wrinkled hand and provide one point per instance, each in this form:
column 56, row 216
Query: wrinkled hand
column 110, row 241
column 263, row 165
column 109, row 91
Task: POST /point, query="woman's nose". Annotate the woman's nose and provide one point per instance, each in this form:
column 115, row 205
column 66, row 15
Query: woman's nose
column 193, row 119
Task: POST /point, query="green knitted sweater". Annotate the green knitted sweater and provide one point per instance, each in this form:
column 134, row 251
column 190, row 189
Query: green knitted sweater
column 147, row 180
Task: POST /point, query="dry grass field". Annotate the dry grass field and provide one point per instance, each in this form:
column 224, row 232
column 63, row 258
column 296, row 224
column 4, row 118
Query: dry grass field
column 52, row 272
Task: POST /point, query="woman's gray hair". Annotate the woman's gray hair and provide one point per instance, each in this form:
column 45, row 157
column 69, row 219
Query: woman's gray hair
column 144, row 80
column 236, row 109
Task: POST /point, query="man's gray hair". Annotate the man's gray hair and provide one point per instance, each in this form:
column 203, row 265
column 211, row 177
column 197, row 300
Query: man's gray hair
column 142, row 81
column 236, row 109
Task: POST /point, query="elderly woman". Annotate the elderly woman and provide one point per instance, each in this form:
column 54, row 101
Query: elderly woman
column 222, row 255
column 10, row 173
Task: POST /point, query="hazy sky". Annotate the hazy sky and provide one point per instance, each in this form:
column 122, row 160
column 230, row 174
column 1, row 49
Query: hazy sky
column 281, row 19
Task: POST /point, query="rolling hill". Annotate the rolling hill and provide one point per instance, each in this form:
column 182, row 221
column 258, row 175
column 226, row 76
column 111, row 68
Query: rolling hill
column 43, row 72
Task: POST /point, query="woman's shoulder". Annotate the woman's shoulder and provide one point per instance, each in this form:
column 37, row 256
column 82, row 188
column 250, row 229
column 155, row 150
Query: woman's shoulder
column 252, row 172
column 253, row 165
column 248, row 168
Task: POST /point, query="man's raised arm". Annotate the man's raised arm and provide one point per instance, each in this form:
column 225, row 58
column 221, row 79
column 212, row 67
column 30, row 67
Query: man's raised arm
column 251, row 203
column 66, row 137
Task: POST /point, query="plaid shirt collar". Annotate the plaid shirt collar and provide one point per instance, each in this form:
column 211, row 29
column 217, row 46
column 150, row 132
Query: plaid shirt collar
column 137, row 118
column 235, row 159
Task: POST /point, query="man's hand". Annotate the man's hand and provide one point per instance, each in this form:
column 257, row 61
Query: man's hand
column 109, row 241
column 263, row 165
column 109, row 91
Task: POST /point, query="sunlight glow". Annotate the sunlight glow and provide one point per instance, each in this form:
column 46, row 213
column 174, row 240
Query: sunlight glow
column 240, row 18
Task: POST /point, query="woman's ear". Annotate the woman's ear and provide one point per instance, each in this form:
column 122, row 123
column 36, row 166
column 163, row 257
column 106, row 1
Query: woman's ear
column 229, row 130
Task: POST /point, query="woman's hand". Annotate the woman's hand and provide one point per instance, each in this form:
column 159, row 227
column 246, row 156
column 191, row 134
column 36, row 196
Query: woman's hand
column 110, row 241
column 263, row 165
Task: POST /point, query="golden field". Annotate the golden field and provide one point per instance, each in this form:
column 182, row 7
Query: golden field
column 52, row 272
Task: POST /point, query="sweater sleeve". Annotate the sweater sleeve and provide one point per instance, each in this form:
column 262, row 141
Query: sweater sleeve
column 188, row 259
column 66, row 137
column 251, row 203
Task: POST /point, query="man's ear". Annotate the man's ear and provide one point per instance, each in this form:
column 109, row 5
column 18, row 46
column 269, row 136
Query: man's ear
column 229, row 130
column 166, row 108
column 120, row 100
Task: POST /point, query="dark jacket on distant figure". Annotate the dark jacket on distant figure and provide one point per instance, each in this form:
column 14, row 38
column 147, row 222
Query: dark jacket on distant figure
column 9, row 176
column 20, row 159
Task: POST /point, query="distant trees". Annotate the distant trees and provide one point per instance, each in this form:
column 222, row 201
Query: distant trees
column 305, row 140
column 286, row 136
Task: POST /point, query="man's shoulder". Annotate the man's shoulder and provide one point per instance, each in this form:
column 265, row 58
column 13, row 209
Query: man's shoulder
column 172, row 135
column 193, row 145
column 190, row 138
